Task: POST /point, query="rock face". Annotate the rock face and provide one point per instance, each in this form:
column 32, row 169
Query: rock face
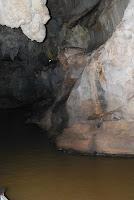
column 72, row 62
column 30, row 15
column 22, row 85
column 100, row 106
column 95, row 26
column 83, row 24
column 64, row 13
column 85, row 99
column 22, row 63
column 68, row 10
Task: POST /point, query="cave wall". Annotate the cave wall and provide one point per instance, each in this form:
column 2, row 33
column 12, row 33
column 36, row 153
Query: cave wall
column 80, row 79
column 100, row 106
column 93, row 111
column 25, row 63
column 21, row 64
column 94, row 27
column 86, row 24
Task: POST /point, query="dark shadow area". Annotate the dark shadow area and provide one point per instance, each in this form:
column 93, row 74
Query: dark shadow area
column 16, row 134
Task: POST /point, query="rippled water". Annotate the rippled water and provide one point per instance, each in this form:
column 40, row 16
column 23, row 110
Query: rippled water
column 31, row 169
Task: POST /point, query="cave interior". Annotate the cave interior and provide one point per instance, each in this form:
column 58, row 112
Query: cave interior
column 50, row 84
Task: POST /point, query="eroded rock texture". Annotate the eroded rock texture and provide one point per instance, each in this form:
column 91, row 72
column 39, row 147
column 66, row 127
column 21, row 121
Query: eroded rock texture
column 24, row 61
column 85, row 97
column 101, row 104
column 30, row 15
column 93, row 27
column 83, row 24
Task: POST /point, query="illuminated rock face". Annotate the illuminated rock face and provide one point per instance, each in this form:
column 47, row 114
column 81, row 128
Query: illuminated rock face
column 30, row 15
column 101, row 104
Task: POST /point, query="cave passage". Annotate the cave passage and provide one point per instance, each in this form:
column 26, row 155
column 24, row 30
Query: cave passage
column 30, row 167
column 75, row 88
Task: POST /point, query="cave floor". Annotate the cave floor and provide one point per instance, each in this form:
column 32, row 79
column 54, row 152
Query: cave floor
column 31, row 168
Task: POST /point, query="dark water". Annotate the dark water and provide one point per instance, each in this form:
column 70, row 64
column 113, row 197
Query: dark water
column 31, row 169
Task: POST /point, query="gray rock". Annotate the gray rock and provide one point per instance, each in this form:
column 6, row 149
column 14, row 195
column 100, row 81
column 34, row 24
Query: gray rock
column 100, row 106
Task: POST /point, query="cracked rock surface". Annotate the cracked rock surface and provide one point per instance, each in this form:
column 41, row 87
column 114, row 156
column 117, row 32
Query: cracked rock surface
column 80, row 80
column 100, row 107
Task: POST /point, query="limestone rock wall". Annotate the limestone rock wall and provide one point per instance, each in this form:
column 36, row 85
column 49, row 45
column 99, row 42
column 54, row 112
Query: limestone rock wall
column 101, row 104
column 95, row 27
column 30, row 15
column 67, row 9
column 85, row 98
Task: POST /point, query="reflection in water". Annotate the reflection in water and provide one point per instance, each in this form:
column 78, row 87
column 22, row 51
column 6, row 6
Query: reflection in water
column 31, row 168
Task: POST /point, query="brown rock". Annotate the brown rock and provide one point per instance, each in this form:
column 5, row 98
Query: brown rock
column 116, row 138
column 103, row 97
column 78, row 138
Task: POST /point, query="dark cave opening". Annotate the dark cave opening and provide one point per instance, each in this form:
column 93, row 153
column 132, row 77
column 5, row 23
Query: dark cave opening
column 15, row 133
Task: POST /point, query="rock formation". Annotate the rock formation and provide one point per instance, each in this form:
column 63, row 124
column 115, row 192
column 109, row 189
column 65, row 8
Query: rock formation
column 101, row 104
column 80, row 80
column 30, row 15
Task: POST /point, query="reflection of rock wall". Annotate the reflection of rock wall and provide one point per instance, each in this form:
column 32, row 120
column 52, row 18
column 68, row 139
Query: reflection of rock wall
column 30, row 15
column 101, row 104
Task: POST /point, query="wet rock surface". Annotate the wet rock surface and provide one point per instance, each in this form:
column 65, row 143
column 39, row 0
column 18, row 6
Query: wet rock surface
column 71, row 64
column 82, row 98
column 24, row 84
column 93, row 27
column 27, row 75
column 100, row 106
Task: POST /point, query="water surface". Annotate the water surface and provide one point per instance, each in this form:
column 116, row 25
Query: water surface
column 32, row 169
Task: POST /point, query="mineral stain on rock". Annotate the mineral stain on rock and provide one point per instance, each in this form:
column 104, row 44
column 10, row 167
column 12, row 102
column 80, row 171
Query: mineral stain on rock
column 79, row 81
